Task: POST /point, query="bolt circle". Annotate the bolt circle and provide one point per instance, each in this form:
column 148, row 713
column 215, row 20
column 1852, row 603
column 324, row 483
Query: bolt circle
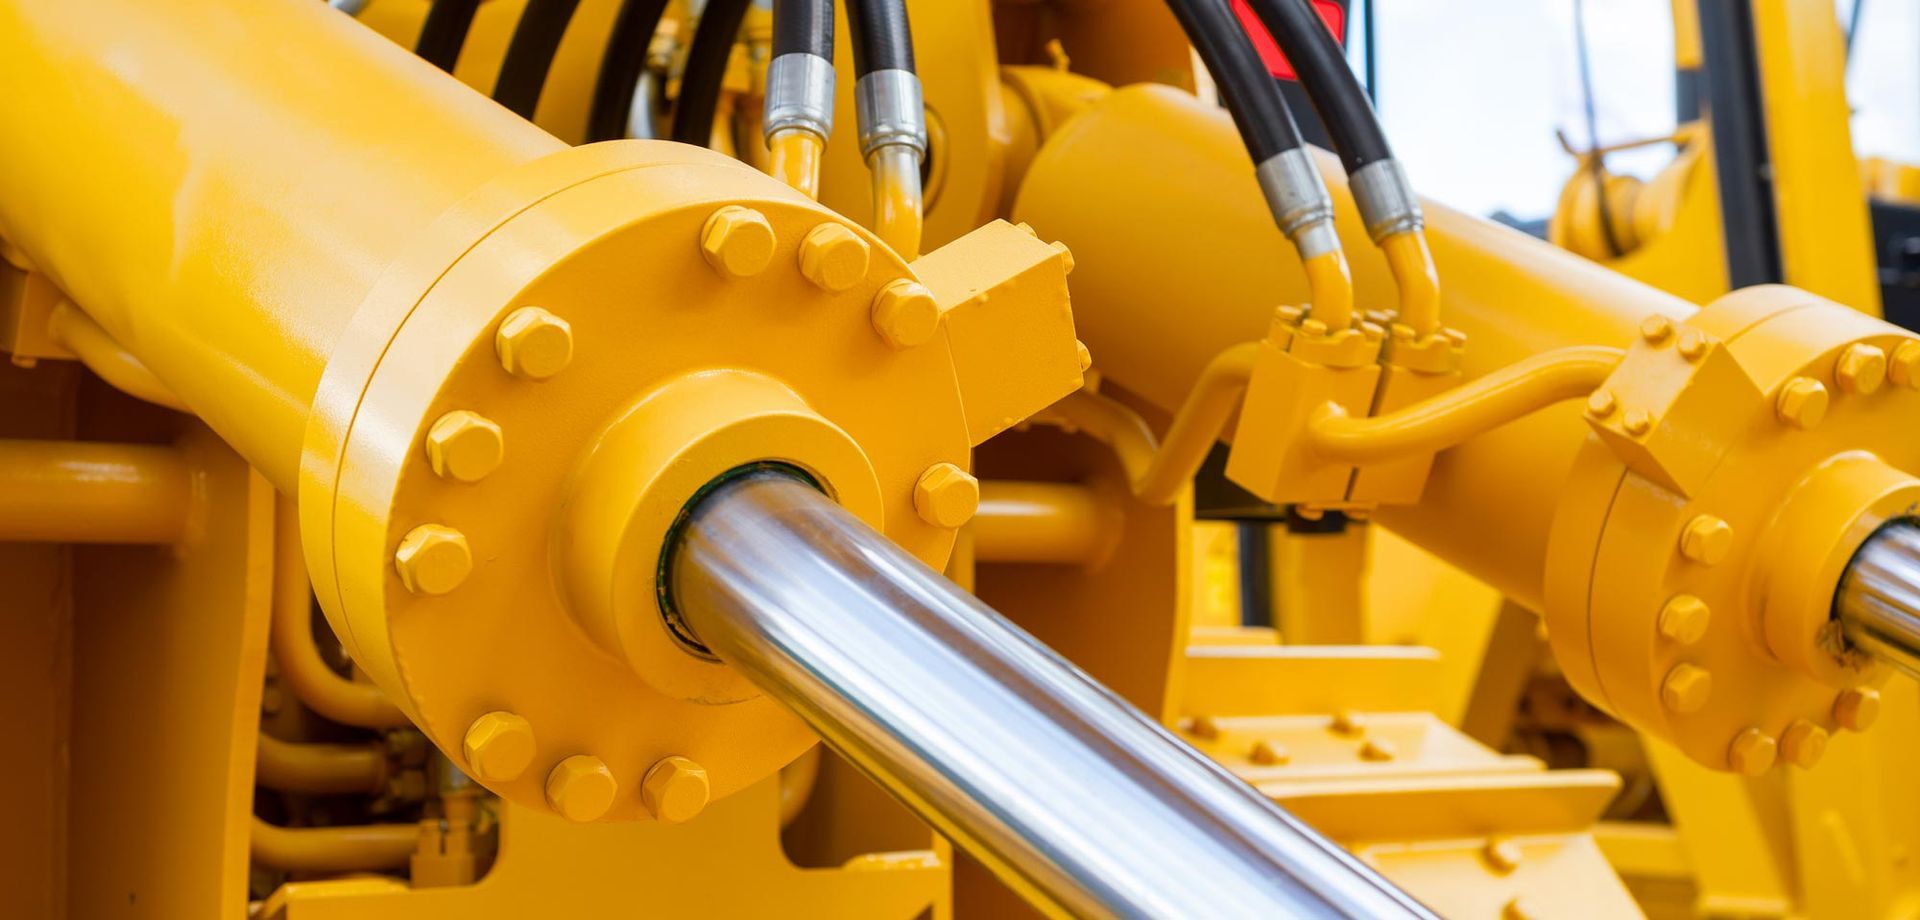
column 1706, row 540
column 946, row 496
column 1861, row 369
column 1752, row 752
column 533, row 343
column 464, row 445
column 1856, row 709
column 1802, row 402
column 581, row 788
column 905, row 314
column 499, row 746
column 674, row 790
column 433, row 559
column 1684, row 619
column 834, row 257
column 737, row 241
column 1802, row 743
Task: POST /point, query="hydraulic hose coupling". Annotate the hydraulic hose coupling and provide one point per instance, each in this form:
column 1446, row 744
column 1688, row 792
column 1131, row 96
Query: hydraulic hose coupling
column 893, row 141
column 1301, row 205
column 1386, row 200
column 800, row 95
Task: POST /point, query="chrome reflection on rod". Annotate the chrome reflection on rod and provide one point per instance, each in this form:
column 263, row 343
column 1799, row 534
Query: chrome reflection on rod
column 1064, row 790
column 1879, row 601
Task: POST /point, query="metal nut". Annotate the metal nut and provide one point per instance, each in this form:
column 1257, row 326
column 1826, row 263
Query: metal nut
column 581, row 788
column 737, row 241
column 499, row 746
column 905, row 314
column 946, row 496
column 433, row 559
column 1862, row 368
column 533, row 343
column 834, row 257
column 1802, row 402
column 464, row 445
column 674, row 790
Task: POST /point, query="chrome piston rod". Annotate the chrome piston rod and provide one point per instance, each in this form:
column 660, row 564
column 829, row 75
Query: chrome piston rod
column 1879, row 600
column 1073, row 797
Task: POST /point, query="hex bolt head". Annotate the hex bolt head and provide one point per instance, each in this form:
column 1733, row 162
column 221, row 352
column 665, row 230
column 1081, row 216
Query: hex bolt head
column 1377, row 750
column 1686, row 688
column 674, row 790
column 905, row 314
column 581, row 788
column 1693, row 344
column 1862, row 368
column 737, row 242
column 464, row 445
column 1856, row 709
column 946, row 496
column 1752, row 752
column 1270, row 753
column 1802, row 402
column 1084, row 354
column 533, row 343
column 1601, row 404
column 499, row 746
column 1802, row 743
column 433, row 559
column 1519, row 908
column 1656, row 329
column 1706, row 539
column 1503, row 855
column 1066, row 256
column 1347, row 722
column 1637, row 422
column 1903, row 367
column 834, row 257
column 1684, row 619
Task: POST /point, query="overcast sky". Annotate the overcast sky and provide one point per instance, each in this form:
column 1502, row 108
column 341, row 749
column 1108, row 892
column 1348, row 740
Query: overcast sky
column 1471, row 92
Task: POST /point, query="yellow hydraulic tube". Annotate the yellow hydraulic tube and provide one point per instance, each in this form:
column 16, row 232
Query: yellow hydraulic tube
column 1158, row 475
column 161, row 204
column 290, row 635
column 83, row 492
column 321, row 769
column 794, row 158
column 1331, row 281
column 897, row 198
column 1468, row 411
column 102, row 355
column 1411, row 262
column 351, row 848
column 1489, row 502
column 1042, row 522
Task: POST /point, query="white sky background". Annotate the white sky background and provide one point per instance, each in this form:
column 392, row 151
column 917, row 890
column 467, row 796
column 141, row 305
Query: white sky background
column 1471, row 93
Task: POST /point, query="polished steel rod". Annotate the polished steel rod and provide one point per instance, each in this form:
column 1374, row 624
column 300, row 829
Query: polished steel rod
column 1073, row 797
column 1879, row 602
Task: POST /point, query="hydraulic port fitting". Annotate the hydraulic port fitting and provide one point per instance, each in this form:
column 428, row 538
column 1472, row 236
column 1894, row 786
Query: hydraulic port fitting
column 799, row 118
column 1303, row 209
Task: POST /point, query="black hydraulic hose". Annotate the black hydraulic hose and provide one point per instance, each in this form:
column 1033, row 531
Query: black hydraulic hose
column 445, row 31
column 803, row 27
column 1249, row 91
column 882, row 39
column 713, row 40
column 621, row 66
column 1336, row 93
column 523, row 72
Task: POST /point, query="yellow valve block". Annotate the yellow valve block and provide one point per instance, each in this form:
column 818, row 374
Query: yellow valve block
column 496, row 368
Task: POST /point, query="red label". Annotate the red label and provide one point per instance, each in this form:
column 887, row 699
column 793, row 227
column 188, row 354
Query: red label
column 1330, row 13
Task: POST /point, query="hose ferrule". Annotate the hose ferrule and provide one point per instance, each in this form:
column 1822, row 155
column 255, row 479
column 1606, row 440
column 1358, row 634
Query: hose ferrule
column 800, row 94
column 1299, row 200
column 1385, row 199
column 891, row 112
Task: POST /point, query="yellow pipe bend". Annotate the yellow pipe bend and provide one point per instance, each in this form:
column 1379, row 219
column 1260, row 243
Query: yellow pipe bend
column 1410, row 261
column 321, row 769
column 1330, row 280
column 793, row 157
column 312, row 681
column 347, row 848
column 77, row 331
column 1467, row 411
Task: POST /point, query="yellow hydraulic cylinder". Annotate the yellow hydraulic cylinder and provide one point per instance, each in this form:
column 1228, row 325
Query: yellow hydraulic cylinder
column 161, row 203
column 1177, row 224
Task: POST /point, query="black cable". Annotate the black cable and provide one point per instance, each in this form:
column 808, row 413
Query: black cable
column 1595, row 159
column 621, row 66
column 803, row 27
column 1322, row 66
column 1251, row 94
column 882, row 38
column 523, row 72
column 713, row 40
column 445, row 31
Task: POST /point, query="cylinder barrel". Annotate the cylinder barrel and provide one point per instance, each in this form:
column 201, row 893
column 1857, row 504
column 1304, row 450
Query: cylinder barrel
column 1072, row 796
column 218, row 183
column 1176, row 258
